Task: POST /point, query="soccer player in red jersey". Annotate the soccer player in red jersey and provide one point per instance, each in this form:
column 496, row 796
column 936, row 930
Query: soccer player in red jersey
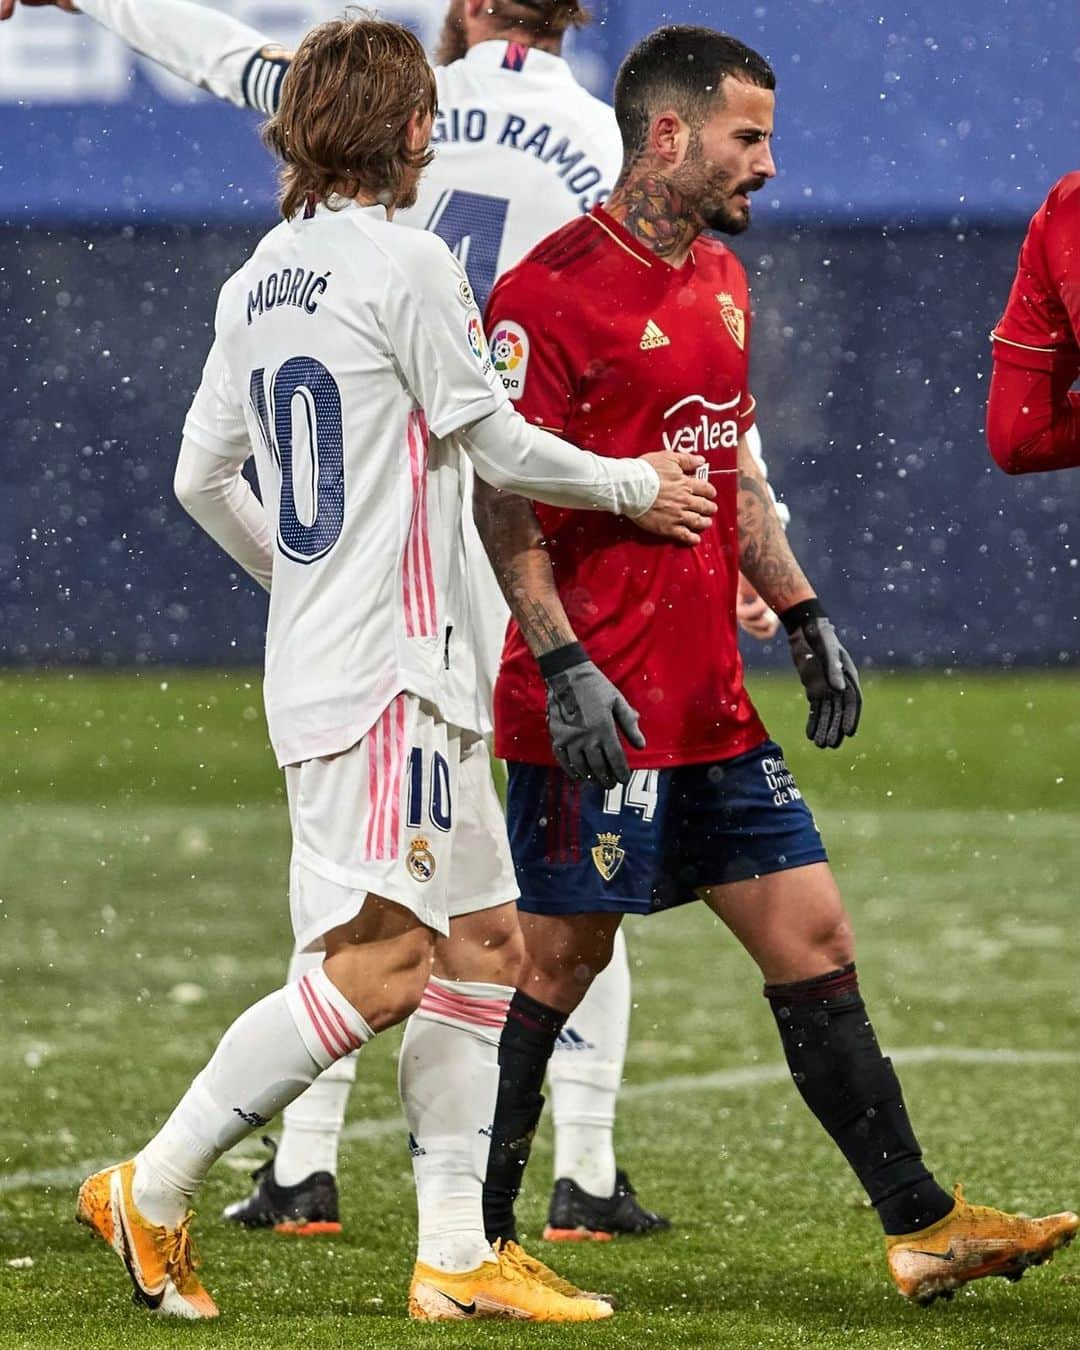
column 624, row 330
column 1033, row 420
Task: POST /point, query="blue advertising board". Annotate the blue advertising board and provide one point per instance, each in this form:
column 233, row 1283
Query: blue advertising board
column 886, row 111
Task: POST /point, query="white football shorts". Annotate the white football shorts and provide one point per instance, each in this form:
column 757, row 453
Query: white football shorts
column 409, row 813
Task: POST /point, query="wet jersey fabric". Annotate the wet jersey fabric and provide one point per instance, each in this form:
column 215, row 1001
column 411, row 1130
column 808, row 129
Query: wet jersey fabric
column 601, row 341
column 348, row 351
column 1033, row 417
column 1040, row 327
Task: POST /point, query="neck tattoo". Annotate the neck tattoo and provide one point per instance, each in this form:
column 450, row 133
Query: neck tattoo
column 655, row 213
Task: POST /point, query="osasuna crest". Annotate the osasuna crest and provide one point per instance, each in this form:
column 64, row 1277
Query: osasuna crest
column 734, row 317
column 607, row 856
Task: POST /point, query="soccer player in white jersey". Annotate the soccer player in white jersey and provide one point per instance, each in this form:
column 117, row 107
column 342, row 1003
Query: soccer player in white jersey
column 350, row 353
column 521, row 148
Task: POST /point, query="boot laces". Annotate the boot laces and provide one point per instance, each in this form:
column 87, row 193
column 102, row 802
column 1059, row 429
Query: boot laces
column 178, row 1250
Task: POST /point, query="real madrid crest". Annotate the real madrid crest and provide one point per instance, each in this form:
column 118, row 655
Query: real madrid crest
column 734, row 317
column 607, row 856
column 420, row 861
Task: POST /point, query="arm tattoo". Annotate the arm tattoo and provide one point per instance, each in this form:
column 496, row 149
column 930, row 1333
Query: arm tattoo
column 514, row 541
column 765, row 556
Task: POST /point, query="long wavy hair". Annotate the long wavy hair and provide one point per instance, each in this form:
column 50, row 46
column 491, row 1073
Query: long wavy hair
column 346, row 101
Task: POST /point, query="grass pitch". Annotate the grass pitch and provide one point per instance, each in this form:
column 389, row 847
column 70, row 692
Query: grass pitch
column 143, row 906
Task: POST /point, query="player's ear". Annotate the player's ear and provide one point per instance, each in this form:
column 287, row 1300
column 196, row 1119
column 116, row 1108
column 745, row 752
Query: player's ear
column 418, row 130
column 669, row 136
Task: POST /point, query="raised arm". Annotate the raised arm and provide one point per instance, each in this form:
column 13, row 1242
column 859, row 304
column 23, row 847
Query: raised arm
column 585, row 710
column 200, row 44
column 766, row 559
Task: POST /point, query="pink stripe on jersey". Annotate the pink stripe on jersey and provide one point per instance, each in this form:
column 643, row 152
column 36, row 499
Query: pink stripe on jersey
column 418, row 577
column 425, row 538
column 481, row 1012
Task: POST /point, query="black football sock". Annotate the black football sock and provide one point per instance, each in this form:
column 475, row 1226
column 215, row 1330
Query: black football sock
column 850, row 1086
column 527, row 1040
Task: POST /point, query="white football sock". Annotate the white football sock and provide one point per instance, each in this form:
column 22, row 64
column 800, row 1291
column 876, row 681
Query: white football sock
column 311, row 1125
column 584, row 1077
column 269, row 1055
column 448, row 1076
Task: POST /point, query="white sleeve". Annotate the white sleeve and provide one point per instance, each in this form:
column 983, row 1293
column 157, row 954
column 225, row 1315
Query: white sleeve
column 437, row 336
column 753, row 444
column 201, row 44
column 514, row 455
column 208, row 479
column 214, row 492
column 215, row 419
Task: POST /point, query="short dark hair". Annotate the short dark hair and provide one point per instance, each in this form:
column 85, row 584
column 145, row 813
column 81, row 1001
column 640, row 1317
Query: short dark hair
column 683, row 67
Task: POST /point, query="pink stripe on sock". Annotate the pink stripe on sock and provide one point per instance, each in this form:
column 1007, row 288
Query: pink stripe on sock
column 354, row 1041
column 309, row 1007
column 341, row 1044
column 484, row 1012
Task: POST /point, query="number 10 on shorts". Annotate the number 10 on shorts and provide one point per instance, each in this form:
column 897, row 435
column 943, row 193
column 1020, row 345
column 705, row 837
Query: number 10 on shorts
column 437, row 800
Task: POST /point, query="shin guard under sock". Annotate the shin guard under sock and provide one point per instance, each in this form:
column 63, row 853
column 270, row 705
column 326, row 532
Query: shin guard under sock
column 850, row 1086
column 528, row 1039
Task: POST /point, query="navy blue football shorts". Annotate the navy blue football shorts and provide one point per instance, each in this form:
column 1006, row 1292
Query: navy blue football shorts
column 651, row 843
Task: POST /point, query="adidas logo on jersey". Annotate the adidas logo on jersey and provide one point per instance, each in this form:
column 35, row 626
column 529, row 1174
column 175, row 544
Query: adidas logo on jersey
column 654, row 337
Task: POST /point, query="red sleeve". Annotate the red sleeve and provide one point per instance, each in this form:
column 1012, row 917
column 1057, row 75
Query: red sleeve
column 1032, row 420
column 1042, row 317
column 528, row 350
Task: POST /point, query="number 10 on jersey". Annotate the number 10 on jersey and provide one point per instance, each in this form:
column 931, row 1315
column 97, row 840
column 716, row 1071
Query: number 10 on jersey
column 300, row 421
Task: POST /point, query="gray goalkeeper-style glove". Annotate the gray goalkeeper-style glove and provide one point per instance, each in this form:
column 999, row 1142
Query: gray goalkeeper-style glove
column 585, row 714
column 827, row 672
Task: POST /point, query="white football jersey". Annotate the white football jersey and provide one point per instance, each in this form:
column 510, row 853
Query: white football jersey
column 520, row 149
column 347, row 352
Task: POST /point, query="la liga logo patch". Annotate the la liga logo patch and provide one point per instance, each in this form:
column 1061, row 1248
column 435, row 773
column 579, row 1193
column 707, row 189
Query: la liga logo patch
column 475, row 333
column 510, row 356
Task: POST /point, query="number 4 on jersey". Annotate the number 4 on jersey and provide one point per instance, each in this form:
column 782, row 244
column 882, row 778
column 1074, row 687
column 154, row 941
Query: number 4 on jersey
column 641, row 793
column 471, row 225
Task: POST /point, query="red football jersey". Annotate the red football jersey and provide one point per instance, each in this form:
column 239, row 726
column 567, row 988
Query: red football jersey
column 1033, row 423
column 604, row 343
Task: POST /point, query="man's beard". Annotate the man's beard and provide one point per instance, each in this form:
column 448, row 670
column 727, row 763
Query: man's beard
column 452, row 44
column 724, row 220
column 718, row 213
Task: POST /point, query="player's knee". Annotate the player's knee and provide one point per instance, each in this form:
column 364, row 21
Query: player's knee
column 486, row 946
column 387, row 989
column 834, row 940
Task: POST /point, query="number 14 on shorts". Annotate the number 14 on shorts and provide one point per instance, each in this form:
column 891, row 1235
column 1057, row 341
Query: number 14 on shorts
column 641, row 793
